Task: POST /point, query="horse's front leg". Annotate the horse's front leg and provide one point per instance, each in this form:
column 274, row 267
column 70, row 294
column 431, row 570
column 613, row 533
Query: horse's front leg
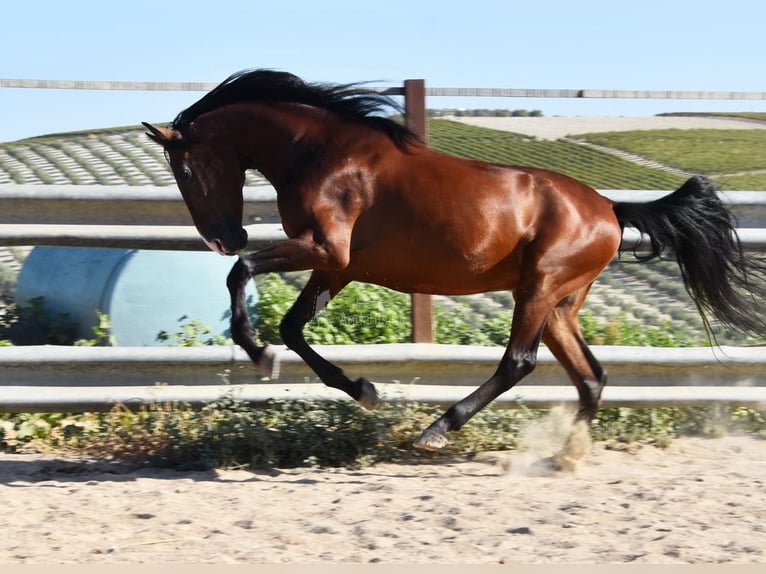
column 317, row 293
column 242, row 331
column 300, row 253
column 295, row 254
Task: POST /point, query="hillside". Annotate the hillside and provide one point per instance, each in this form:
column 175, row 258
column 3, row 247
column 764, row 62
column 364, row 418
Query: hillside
column 728, row 148
column 107, row 157
column 597, row 168
column 633, row 159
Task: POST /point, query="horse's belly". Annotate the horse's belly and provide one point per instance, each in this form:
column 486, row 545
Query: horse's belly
column 432, row 273
column 442, row 249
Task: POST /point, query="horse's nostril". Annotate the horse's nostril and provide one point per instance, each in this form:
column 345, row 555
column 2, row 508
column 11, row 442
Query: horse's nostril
column 218, row 246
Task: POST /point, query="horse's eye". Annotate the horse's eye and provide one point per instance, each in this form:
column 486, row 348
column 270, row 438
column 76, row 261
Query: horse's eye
column 186, row 172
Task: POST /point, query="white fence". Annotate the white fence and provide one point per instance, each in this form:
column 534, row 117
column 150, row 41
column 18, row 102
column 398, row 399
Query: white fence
column 44, row 378
column 70, row 379
column 32, row 83
column 38, row 378
column 107, row 216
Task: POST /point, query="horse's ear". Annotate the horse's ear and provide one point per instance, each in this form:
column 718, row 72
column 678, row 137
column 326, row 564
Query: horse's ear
column 163, row 136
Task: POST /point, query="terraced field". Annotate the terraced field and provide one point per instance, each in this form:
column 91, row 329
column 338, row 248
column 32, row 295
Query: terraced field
column 735, row 159
column 650, row 294
column 596, row 168
column 109, row 157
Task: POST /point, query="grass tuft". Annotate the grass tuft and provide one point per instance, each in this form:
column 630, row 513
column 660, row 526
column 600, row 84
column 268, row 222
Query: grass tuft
column 283, row 434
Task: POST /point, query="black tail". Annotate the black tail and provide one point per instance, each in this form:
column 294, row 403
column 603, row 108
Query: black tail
column 699, row 229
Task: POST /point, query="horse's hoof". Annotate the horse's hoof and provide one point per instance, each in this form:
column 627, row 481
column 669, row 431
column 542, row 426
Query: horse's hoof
column 368, row 396
column 547, row 466
column 564, row 462
column 269, row 362
column 431, row 440
column 552, row 465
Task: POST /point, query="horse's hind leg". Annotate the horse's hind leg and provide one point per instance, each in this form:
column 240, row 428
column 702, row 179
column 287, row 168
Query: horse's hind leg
column 562, row 336
column 319, row 289
column 242, row 331
column 529, row 315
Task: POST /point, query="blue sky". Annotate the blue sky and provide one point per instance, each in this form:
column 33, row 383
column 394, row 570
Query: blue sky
column 574, row 44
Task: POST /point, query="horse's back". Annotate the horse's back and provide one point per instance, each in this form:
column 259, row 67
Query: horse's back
column 521, row 201
column 443, row 224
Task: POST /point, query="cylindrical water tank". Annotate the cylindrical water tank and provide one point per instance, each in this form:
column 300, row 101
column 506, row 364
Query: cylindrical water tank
column 143, row 292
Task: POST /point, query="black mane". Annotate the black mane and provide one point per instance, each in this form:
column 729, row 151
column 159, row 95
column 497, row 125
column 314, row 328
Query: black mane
column 269, row 86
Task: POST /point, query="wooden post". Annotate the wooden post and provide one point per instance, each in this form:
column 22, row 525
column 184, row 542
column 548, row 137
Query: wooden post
column 415, row 110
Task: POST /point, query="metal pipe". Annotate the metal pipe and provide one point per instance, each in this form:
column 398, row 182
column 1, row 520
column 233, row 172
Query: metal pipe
column 19, row 399
column 186, row 237
column 430, row 366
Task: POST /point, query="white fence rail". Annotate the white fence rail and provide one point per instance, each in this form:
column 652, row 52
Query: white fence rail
column 156, row 217
column 186, row 238
column 71, row 379
column 100, row 399
column 175, row 237
column 49, row 378
column 162, row 205
column 45, row 378
column 34, row 83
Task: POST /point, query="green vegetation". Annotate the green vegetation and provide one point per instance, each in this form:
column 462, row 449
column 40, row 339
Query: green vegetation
column 598, row 169
column 33, row 324
column 620, row 330
column 329, row 433
column 371, row 314
column 704, row 151
column 361, row 313
column 750, row 181
column 760, row 116
column 192, row 333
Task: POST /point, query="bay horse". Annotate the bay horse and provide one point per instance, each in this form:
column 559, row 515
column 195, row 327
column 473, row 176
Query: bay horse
column 362, row 198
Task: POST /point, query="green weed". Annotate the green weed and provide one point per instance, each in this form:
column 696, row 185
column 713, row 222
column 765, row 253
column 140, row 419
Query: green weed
column 230, row 433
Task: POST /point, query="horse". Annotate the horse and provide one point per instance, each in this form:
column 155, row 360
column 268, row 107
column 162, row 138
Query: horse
column 363, row 198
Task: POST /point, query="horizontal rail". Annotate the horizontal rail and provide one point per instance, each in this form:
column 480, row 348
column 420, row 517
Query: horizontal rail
column 99, row 85
column 751, row 239
column 31, row 83
column 20, row 399
column 178, row 238
column 117, row 205
column 186, row 238
column 425, row 364
column 266, row 193
column 106, row 216
column 162, row 205
column 115, row 193
column 598, row 94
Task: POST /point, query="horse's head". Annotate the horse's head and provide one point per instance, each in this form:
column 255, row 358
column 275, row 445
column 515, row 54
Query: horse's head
column 210, row 178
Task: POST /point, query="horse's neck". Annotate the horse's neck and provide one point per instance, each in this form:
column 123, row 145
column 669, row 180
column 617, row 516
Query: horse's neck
column 272, row 139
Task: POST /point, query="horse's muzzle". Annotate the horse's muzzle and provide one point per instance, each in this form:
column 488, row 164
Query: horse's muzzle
column 230, row 245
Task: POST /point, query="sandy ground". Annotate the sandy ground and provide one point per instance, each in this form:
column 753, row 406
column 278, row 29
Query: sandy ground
column 552, row 128
column 698, row 501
